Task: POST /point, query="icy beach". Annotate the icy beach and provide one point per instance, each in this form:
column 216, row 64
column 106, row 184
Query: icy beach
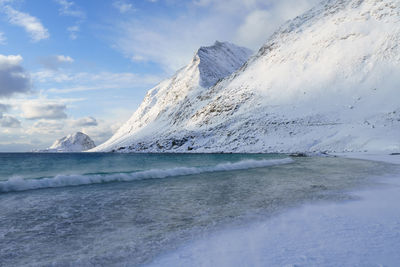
column 364, row 231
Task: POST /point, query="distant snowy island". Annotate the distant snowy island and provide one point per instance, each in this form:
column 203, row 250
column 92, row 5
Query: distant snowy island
column 325, row 81
column 77, row 142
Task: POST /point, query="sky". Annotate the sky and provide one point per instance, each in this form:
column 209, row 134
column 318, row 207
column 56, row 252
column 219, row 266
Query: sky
column 86, row 65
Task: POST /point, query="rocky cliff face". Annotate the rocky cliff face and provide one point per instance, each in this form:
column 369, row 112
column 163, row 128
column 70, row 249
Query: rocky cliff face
column 77, row 142
column 325, row 81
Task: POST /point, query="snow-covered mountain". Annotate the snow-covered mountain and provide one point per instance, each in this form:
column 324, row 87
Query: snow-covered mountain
column 170, row 103
column 326, row 81
column 77, row 142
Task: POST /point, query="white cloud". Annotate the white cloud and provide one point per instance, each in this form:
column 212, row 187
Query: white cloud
column 69, row 8
column 3, row 108
column 50, row 130
column 8, row 121
column 46, row 127
column 255, row 28
column 169, row 43
column 102, row 132
column 42, row 132
column 2, row 38
column 15, row 147
column 171, row 40
column 43, row 109
column 54, row 62
column 32, row 25
column 123, row 6
column 78, row 82
column 13, row 77
column 50, row 75
column 84, row 122
column 62, row 58
column 259, row 24
column 73, row 32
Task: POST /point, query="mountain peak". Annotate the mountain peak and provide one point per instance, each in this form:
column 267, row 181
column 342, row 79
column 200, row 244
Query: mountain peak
column 218, row 45
column 220, row 60
column 166, row 103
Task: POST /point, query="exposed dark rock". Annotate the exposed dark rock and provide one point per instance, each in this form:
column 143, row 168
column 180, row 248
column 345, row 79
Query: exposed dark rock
column 298, row 155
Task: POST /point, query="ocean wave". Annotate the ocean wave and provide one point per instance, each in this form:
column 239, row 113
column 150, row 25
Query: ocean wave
column 20, row 184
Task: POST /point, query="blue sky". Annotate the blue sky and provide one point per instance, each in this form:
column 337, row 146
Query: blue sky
column 85, row 65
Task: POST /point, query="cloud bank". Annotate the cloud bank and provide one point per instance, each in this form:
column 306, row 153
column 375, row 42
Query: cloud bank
column 36, row 109
column 13, row 77
column 85, row 122
column 3, row 108
column 55, row 62
column 8, row 121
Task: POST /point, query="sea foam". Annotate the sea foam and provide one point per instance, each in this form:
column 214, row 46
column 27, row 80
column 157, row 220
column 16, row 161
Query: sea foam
column 20, row 184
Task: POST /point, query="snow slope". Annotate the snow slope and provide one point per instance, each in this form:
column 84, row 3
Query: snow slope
column 77, row 142
column 325, row 81
column 170, row 103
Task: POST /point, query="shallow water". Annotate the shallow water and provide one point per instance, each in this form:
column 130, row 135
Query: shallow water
column 132, row 218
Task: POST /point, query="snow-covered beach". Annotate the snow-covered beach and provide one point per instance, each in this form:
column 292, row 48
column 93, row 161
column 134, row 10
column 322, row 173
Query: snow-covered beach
column 364, row 231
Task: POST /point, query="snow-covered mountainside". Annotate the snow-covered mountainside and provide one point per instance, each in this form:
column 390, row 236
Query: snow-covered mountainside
column 326, row 81
column 170, row 103
column 77, row 142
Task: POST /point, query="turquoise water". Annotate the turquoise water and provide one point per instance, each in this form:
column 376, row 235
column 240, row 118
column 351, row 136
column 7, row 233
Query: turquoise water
column 128, row 209
column 36, row 165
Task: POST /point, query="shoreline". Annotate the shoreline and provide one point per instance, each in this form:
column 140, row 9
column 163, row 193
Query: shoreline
column 360, row 232
column 300, row 232
column 380, row 157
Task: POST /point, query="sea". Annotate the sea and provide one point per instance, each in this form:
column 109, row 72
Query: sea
column 99, row 209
